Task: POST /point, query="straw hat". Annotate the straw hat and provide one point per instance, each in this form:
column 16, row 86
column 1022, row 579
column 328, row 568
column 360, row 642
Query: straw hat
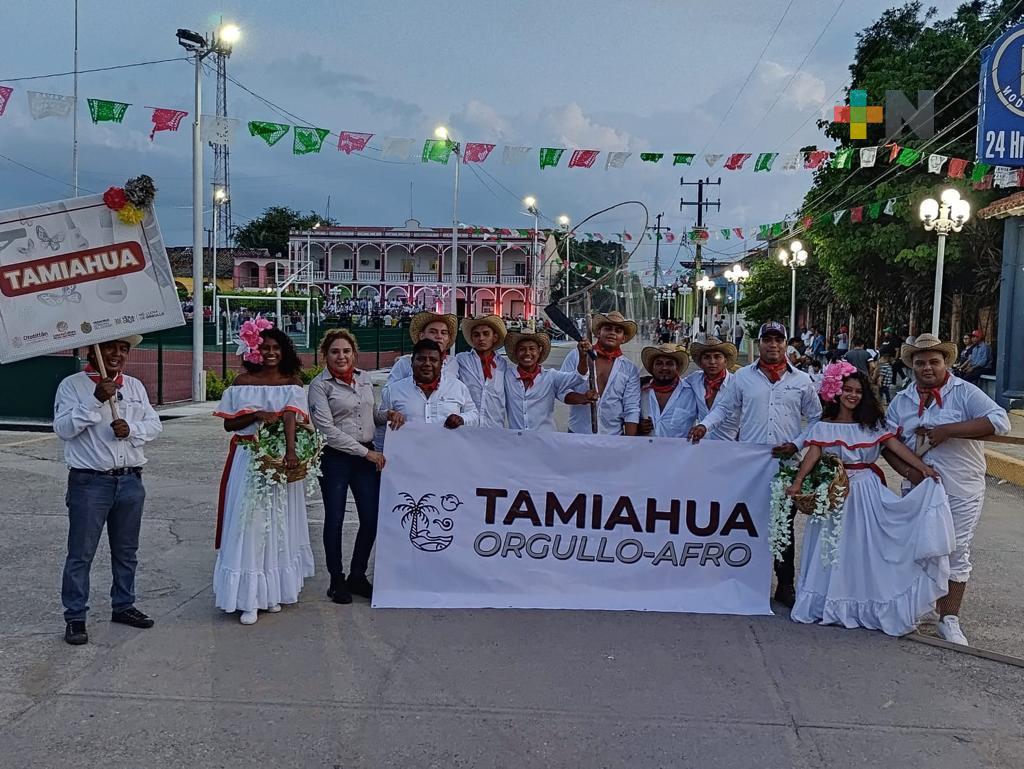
column 423, row 319
column 928, row 342
column 493, row 321
column 132, row 340
column 728, row 349
column 615, row 318
column 674, row 351
column 515, row 337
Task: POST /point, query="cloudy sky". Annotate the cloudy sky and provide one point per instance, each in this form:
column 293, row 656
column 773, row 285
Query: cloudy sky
column 649, row 75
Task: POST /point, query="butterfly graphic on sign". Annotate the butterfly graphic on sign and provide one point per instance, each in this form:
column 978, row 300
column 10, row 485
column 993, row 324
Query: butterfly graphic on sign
column 53, row 241
column 417, row 513
column 67, row 294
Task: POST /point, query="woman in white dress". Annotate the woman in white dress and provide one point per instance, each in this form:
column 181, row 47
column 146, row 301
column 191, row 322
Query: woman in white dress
column 892, row 552
column 263, row 542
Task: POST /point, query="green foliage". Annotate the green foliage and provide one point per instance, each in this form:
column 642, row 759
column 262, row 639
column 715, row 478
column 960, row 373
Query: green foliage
column 891, row 259
column 270, row 231
column 216, row 385
column 766, row 293
column 307, row 375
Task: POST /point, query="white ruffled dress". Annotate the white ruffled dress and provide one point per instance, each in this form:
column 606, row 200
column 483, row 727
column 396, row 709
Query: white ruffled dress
column 893, row 552
column 264, row 553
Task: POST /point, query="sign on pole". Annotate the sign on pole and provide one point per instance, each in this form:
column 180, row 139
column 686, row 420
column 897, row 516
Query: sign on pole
column 1001, row 101
column 517, row 519
column 73, row 274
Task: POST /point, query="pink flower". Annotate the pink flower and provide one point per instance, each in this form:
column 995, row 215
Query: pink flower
column 832, row 384
column 251, row 336
column 253, row 356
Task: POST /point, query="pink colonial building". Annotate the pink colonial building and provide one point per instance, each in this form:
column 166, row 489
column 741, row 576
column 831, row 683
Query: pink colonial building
column 411, row 264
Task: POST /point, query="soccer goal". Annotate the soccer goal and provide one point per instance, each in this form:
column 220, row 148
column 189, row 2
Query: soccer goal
column 291, row 314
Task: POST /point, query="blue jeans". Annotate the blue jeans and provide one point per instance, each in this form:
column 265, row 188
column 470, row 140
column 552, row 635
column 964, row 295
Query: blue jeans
column 95, row 500
column 341, row 472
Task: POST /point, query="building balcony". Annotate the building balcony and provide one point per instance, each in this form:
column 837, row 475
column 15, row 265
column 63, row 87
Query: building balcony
column 419, row 278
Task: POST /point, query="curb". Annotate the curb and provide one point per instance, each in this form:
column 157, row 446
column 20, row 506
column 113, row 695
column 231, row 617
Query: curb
column 1004, row 467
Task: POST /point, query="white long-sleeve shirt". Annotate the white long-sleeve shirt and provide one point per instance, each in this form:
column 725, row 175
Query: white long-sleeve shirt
column 728, row 428
column 488, row 394
column 83, row 424
column 534, row 409
column 619, row 402
column 678, row 416
column 451, row 397
column 768, row 413
column 960, row 461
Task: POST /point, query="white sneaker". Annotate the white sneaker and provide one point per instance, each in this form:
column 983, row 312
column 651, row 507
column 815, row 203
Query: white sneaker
column 274, row 609
column 949, row 629
column 249, row 617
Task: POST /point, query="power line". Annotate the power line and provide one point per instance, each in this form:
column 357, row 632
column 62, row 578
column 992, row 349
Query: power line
column 86, row 71
column 749, row 76
column 42, row 174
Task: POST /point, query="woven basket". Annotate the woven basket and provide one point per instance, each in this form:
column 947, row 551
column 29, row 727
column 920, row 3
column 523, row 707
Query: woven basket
column 837, row 490
column 276, row 465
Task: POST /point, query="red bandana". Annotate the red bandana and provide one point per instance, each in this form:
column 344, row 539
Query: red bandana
column 665, row 388
column 608, row 354
column 348, row 376
column 487, row 362
column 926, row 396
column 712, row 386
column 527, row 377
column 94, row 375
column 429, row 388
column 773, row 371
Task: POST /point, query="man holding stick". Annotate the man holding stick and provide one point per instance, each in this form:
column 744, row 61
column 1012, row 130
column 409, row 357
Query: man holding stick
column 531, row 389
column 772, row 397
column 617, row 379
column 104, row 458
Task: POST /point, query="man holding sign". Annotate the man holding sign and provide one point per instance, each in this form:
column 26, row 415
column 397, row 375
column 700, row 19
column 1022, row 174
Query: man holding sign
column 104, row 419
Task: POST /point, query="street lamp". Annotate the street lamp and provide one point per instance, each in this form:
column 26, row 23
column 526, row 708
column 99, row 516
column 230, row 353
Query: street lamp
column 563, row 222
column 736, row 275
column 793, row 257
column 945, row 217
column 704, row 284
column 442, row 133
column 220, row 197
column 531, row 209
column 200, row 47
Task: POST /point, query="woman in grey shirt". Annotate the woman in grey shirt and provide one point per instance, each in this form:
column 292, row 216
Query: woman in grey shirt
column 341, row 408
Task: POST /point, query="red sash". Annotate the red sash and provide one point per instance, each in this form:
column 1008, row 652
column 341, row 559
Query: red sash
column 867, row 466
column 235, row 440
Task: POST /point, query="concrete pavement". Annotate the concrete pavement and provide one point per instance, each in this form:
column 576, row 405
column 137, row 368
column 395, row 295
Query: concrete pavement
column 321, row 685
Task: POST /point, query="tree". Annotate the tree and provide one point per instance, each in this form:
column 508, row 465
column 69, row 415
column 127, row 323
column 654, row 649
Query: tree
column 890, row 260
column 270, row 231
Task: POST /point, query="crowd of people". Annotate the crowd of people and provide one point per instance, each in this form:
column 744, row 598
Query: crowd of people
column 902, row 556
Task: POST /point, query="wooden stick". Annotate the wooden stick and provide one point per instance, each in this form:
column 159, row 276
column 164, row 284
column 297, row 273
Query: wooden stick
column 1013, row 440
column 103, row 373
column 591, row 368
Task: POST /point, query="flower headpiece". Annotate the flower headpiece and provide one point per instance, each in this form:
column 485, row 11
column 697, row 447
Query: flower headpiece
column 251, row 336
column 832, row 383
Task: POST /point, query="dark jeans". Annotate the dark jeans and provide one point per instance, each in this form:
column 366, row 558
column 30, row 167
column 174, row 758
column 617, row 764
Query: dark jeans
column 784, row 569
column 95, row 500
column 340, row 473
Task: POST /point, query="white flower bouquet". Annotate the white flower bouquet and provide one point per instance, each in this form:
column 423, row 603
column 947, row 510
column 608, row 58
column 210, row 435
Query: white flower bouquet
column 822, row 497
column 269, row 449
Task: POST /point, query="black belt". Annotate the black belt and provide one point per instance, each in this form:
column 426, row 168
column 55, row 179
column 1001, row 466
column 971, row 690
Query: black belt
column 116, row 472
column 331, row 450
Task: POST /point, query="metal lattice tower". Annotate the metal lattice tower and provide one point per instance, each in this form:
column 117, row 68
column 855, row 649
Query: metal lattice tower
column 221, row 155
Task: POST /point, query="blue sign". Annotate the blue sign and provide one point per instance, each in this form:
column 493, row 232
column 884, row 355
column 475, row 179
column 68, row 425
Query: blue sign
column 1001, row 101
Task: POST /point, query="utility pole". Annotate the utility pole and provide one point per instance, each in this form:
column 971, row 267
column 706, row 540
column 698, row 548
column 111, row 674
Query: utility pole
column 657, row 246
column 701, row 204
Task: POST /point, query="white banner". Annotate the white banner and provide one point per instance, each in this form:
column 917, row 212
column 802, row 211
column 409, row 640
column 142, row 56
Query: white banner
column 72, row 274
column 477, row 518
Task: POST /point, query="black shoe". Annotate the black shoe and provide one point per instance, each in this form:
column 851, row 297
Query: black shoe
column 360, row 586
column 75, row 633
column 131, row 616
column 336, row 580
column 786, row 595
column 341, row 593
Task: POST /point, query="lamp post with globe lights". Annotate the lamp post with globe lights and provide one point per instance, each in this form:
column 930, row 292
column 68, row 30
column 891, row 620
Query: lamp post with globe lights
column 794, row 256
column 200, row 46
column 564, row 222
column 531, row 210
column 704, row 284
column 736, row 275
column 946, row 215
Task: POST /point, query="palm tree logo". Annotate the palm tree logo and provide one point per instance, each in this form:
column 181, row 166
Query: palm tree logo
column 417, row 513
